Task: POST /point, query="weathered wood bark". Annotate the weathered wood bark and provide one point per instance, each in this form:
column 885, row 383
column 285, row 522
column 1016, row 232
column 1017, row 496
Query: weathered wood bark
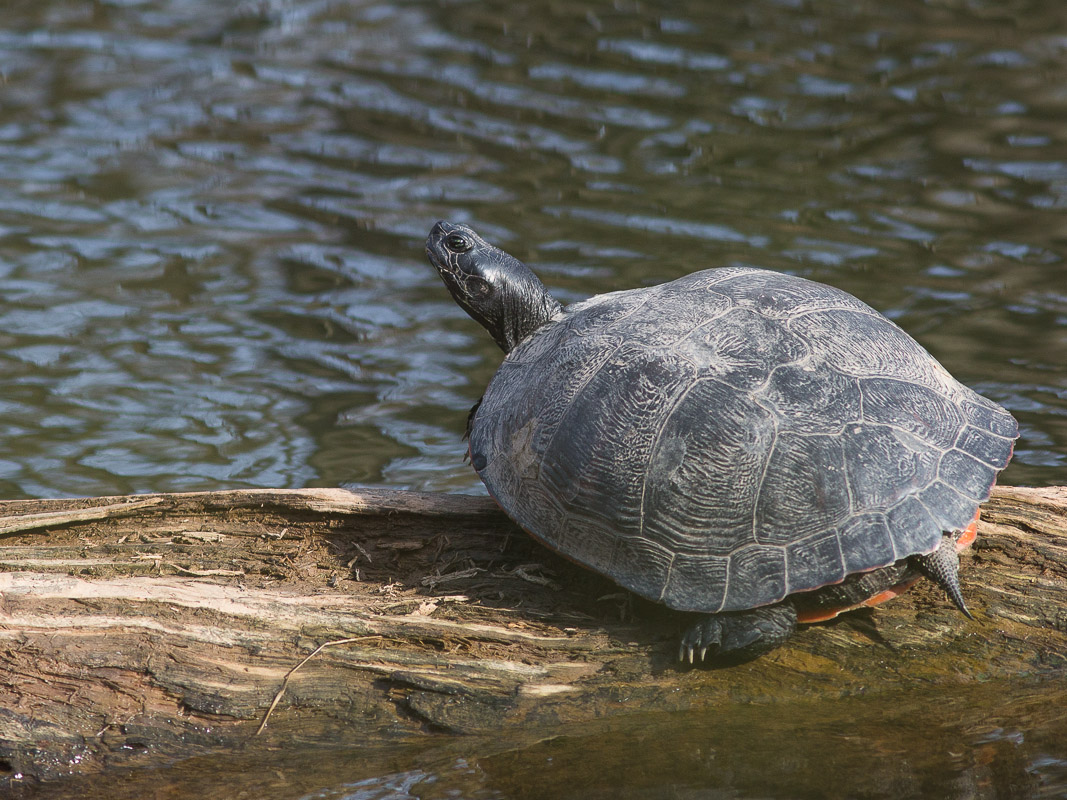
column 137, row 629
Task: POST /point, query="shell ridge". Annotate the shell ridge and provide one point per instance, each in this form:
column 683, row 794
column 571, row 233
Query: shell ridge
column 762, row 387
column 763, row 472
column 578, row 390
column 649, row 293
column 644, row 478
column 863, row 310
column 667, row 576
column 933, row 515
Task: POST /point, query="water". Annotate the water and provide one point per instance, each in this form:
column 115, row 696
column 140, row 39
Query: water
column 212, row 214
column 944, row 742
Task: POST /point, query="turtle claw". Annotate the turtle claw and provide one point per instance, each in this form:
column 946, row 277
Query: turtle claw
column 702, row 636
column 691, row 654
column 739, row 635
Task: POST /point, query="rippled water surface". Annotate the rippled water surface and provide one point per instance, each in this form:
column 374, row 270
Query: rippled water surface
column 212, row 214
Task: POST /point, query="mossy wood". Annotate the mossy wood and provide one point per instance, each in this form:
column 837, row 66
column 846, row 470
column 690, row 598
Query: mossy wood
column 135, row 630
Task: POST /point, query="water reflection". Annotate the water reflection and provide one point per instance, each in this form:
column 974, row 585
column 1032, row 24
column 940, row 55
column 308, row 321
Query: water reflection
column 212, row 216
column 211, row 264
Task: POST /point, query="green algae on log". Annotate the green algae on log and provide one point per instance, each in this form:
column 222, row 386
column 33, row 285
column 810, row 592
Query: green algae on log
column 136, row 630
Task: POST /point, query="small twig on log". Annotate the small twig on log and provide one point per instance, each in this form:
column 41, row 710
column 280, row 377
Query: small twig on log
column 361, row 551
column 540, row 580
column 285, row 683
column 403, row 544
column 431, row 581
column 204, row 573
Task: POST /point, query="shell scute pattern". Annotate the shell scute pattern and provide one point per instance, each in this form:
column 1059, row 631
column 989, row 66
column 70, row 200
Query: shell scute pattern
column 815, row 561
column 988, row 416
column 755, row 571
column 597, row 315
column 692, row 312
column 913, row 408
column 864, row 344
column 982, row 445
column 737, row 347
column 804, row 491
column 866, row 539
column 967, row 474
column 578, row 452
column 883, row 465
column 571, row 362
column 816, row 401
column 593, row 319
column 592, row 456
column 657, row 560
column 696, row 582
column 766, row 293
column 703, row 479
column 913, row 527
column 945, row 503
column 732, row 437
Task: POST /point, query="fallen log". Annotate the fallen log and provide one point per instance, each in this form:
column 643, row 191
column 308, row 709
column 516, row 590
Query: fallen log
column 139, row 630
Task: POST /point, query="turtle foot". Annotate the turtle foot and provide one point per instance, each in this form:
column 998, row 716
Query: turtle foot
column 739, row 635
column 943, row 567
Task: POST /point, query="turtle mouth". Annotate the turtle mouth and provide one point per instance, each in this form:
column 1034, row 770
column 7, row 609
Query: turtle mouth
column 435, row 250
column 443, row 266
column 455, row 278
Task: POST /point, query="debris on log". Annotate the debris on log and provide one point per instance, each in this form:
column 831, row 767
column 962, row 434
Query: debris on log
column 136, row 630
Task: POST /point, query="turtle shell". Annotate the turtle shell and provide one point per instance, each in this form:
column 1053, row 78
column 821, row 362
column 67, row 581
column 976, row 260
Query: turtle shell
column 724, row 440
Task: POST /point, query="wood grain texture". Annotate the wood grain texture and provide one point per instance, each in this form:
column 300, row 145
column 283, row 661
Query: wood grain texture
column 134, row 630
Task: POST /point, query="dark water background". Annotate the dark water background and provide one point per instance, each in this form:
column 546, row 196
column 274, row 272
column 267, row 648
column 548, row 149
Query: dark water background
column 211, row 268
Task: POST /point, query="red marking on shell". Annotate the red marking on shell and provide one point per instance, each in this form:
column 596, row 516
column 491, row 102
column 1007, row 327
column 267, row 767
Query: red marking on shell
column 963, row 541
column 970, row 533
column 824, row 614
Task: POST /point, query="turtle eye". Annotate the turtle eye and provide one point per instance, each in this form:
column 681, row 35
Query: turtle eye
column 457, row 243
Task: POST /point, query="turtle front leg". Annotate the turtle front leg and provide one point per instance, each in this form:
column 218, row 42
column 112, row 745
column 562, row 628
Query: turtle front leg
column 738, row 635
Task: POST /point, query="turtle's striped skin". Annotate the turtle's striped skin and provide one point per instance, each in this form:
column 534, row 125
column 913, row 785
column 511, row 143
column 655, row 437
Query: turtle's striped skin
column 726, row 440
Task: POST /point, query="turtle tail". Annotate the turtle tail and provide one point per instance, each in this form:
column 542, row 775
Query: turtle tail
column 942, row 567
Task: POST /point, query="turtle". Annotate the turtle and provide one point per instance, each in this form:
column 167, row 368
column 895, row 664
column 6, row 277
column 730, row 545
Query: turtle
column 747, row 446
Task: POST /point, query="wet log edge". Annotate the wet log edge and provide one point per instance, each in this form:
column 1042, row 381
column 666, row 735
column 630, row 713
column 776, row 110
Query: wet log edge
column 135, row 630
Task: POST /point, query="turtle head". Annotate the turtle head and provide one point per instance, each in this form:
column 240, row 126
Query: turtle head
column 496, row 289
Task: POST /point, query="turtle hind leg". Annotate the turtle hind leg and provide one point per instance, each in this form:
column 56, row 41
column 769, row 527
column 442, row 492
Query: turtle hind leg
column 738, row 635
column 942, row 567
